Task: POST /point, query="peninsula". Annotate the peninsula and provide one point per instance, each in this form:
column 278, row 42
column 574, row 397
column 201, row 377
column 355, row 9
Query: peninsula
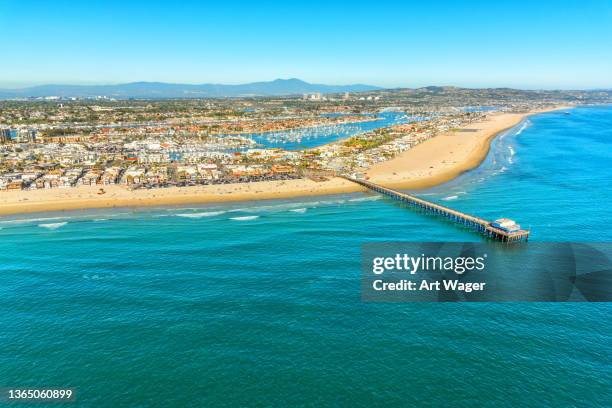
column 433, row 161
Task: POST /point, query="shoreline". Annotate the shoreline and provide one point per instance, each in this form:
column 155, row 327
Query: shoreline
column 433, row 162
column 447, row 155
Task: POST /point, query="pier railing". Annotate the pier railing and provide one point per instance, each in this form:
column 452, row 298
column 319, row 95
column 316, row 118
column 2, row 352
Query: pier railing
column 479, row 224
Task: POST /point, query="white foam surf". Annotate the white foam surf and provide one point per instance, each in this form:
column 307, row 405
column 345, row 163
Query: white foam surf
column 299, row 210
column 524, row 126
column 245, row 218
column 201, row 214
column 450, row 198
column 276, row 208
column 26, row 220
column 53, row 225
column 512, row 153
column 371, row 198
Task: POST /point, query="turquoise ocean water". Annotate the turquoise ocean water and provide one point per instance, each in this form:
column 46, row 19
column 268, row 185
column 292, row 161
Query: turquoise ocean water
column 259, row 303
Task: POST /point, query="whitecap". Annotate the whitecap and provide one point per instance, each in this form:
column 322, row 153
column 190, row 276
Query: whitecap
column 201, row 214
column 245, row 218
column 450, row 198
column 24, row 220
column 299, row 210
column 238, row 210
column 332, row 202
column 281, row 207
column 371, row 198
column 53, row 225
column 512, row 152
column 273, row 208
column 523, row 127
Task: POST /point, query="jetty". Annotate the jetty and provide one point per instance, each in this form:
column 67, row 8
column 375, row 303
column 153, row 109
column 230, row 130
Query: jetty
column 483, row 226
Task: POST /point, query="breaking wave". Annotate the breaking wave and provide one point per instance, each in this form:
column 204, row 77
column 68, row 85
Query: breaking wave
column 512, row 153
column 26, row 220
column 53, row 225
column 282, row 207
column 245, row 218
column 371, row 198
column 524, row 126
column 201, row 214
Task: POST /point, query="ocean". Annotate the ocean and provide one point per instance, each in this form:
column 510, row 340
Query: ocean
column 258, row 304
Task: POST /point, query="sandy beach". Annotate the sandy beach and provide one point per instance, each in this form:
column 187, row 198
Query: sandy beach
column 446, row 155
column 433, row 162
column 14, row 202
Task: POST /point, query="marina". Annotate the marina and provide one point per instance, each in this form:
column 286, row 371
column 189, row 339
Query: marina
column 314, row 136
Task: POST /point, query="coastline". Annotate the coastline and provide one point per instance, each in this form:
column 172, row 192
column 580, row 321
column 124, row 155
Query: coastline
column 447, row 155
column 86, row 197
column 433, row 162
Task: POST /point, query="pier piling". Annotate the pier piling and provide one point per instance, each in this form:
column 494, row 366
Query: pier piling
column 481, row 225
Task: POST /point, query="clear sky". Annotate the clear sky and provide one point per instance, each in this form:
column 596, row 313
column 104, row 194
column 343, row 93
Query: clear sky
column 523, row 44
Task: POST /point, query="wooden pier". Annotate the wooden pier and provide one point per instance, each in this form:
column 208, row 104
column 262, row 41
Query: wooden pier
column 481, row 225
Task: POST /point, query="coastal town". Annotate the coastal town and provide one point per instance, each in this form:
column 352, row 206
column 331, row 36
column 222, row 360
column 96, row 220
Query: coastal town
column 52, row 142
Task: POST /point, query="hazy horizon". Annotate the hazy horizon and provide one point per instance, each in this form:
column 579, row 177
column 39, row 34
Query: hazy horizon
column 25, row 85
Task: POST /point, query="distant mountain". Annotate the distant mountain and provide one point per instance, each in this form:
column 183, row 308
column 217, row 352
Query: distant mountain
column 144, row 90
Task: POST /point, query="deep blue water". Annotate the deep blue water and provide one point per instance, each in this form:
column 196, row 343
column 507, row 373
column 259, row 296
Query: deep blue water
column 259, row 303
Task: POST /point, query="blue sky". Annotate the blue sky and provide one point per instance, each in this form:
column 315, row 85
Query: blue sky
column 396, row 44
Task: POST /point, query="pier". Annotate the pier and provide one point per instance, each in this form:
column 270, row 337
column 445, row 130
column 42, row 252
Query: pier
column 481, row 225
